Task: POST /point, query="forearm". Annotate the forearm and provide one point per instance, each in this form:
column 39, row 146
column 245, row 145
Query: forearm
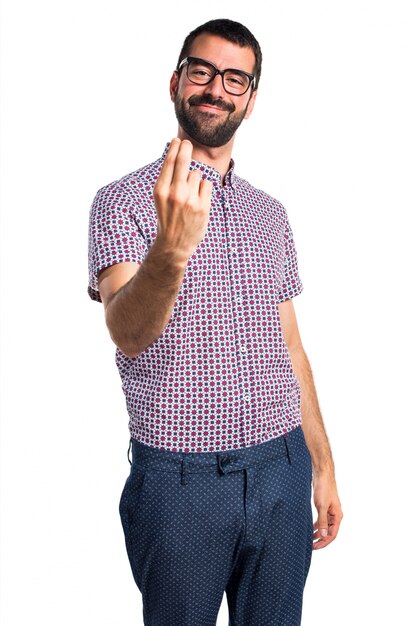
column 138, row 312
column 312, row 423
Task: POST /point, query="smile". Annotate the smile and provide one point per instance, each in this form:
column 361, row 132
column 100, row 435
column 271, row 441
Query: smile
column 209, row 108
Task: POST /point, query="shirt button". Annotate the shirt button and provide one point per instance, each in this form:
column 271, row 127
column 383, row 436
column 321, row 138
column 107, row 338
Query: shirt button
column 233, row 249
column 246, row 398
column 243, row 349
column 239, row 298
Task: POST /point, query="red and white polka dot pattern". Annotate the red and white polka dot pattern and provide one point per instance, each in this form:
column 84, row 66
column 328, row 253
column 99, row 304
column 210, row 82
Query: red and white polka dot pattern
column 220, row 375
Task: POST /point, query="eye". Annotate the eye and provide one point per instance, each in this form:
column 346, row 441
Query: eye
column 200, row 70
column 236, row 80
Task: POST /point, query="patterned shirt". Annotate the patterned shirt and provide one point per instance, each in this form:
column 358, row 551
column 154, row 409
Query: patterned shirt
column 219, row 377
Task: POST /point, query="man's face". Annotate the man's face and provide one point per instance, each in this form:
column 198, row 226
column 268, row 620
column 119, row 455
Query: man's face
column 207, row 113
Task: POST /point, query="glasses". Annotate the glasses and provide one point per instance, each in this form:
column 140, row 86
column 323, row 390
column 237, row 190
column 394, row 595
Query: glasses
column 202, row 72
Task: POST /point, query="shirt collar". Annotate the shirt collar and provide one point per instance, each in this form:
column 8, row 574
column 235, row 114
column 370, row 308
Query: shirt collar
column 209, row 172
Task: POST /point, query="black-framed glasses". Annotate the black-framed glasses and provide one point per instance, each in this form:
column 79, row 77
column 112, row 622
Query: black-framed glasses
column 202, row 72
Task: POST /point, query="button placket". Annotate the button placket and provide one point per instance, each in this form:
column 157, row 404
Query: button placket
column 226, row 199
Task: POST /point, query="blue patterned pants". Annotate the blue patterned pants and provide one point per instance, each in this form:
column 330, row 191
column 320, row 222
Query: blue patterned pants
column 197, row 525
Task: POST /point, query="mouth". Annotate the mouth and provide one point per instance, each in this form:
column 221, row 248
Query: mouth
column 209, row 108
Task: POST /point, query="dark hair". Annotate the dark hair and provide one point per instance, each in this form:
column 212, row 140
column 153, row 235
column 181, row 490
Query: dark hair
column 231, row 31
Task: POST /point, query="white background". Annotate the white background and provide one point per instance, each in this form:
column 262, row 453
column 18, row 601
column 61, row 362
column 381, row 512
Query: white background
column 334, row 137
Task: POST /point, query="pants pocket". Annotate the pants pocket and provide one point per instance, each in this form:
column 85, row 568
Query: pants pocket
column 128, row 503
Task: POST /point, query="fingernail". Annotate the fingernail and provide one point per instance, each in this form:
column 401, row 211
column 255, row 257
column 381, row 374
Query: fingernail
column 324, row 532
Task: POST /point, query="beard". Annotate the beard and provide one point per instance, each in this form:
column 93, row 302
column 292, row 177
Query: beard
column 205, row 127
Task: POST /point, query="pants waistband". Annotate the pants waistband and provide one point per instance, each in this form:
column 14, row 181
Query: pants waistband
column 226, row 461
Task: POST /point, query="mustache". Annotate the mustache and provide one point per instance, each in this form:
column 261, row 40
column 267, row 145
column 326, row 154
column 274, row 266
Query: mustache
column 216, row 102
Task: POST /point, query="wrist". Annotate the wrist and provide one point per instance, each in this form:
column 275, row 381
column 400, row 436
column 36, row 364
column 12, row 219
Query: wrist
column 324, row 471
column 168, row 256
column 165, row 251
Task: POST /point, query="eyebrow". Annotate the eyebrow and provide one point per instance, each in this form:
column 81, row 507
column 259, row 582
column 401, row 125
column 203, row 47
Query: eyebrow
column 235, row 69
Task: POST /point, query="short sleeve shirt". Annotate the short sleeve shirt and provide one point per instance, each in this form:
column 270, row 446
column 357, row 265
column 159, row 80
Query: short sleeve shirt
column 220, row 376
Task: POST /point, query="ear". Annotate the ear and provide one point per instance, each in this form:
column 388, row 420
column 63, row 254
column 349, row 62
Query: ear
column 251, row 103
column 174, row 83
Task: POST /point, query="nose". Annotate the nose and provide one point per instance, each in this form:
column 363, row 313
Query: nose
column 215, row 87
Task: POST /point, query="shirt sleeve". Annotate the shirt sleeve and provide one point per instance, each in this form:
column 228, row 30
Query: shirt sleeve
column 114, row 235
column 290, row 284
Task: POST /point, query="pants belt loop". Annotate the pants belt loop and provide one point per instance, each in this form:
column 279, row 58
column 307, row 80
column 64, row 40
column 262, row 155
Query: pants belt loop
column 184, row 478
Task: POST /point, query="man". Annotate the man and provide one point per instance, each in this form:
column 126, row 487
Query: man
column 197, row 270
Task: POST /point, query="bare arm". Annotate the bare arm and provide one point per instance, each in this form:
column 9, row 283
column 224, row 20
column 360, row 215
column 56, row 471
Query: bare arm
column 139, row 301
column 326, row 497
column 137, row 313
column 312, row 423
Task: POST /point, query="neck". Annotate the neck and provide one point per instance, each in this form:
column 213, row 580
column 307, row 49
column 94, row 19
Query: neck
column 218, row 158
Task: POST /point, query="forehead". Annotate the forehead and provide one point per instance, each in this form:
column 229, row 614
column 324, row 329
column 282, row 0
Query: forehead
column 223, row 53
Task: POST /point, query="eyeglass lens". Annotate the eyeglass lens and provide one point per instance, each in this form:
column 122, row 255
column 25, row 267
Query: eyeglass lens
column 202, row 73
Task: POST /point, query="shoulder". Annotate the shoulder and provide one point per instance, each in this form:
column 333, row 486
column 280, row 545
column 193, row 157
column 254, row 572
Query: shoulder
column 128, row 186
column 244, row 188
